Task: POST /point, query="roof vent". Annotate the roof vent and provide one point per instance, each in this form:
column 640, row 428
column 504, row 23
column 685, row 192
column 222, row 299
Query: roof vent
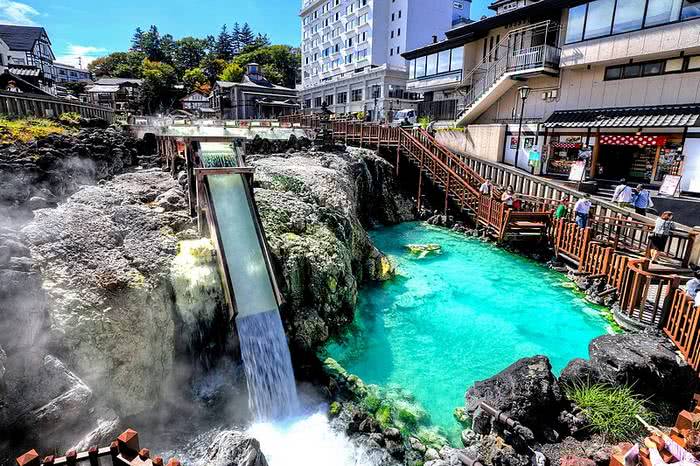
column 434, row 39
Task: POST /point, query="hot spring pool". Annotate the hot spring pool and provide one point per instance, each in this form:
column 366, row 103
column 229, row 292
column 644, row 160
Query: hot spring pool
column 449, row 320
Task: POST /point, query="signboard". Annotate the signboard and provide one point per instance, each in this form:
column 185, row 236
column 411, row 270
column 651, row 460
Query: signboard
column 670, row 186
column 514, row 142
column 578, row 171
column 528, row 142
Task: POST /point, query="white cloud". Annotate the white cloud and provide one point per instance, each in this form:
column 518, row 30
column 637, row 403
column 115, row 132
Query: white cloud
column 77, row 54
column 17, row 13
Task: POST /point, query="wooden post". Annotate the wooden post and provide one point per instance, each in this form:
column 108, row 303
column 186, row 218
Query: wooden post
column 420, row 183
column 398, row 155
column 447, row 192
column 656, row 163
column 594, row 157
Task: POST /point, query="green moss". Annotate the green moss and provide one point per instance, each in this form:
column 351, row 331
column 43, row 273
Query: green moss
column 371, row 402
column 460, row 414
column 334, row 369
column 383, row 416
column 288, row 183
column 334, row 409
column 28, row 129
column 431, row 437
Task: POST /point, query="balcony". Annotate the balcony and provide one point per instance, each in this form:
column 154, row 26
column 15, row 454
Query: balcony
column 494, row 76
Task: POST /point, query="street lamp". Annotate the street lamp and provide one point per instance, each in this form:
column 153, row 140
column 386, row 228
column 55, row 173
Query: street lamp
column 523, row 91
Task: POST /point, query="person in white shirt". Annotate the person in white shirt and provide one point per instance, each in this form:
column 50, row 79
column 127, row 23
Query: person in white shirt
column 581, row 210
column 485, row 187
column 692, row 288
column 508, row 197
column 623, row 194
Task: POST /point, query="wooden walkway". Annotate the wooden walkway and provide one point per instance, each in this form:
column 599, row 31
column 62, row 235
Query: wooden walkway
column 612, row 248
column 449, row 173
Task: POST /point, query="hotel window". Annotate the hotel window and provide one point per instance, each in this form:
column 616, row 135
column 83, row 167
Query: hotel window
column 392, row 34
column 376, row 92
column 307, row 103
column 420, row 67
column 342, row 97
column 598, row 18
column 629, row 16
column 443, row 61
column 356, row 95
column 398, row 32
column 361, row 54
column 662, row 11
column 329, row 100
column 391, row 52
column 431, row 67
column 691, row 9
column 457, row 60
column 674, row 65
column 652, row 68
column 694, row 63
column 412, row 69
column 317, row 102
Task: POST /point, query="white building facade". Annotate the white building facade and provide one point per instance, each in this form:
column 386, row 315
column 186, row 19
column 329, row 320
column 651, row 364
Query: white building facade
column 351, row 50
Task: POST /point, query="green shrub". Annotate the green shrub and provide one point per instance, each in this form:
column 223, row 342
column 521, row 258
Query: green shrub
column 383, row 416
column 611, row 410
column 334, row 409
column 69, row 118
column 424, row 121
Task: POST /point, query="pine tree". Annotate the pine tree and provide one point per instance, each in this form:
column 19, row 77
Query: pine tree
column 137, row 40
column 246, row 36
column 237, row 47
column 223, row 47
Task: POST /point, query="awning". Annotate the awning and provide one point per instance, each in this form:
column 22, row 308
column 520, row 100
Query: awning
column 632, row 140
column 100, row 89
column 24, row 71
column 660, row 116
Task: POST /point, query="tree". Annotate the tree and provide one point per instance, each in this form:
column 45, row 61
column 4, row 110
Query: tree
column 151, row 44
column 212, row 67
column 236, row 39
column 223, row 47
column 232, row 73
column 280, row 61
column 261, row 40
column 75, row 88
column 246, row 35
column 189, row 53
column 157, row 90
column 195, row 80
column 137, row 40
column 118, row 65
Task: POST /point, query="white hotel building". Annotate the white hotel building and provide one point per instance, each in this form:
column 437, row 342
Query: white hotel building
column 351, row 50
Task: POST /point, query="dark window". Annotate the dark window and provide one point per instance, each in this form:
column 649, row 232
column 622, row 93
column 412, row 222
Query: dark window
column 631, row 71
column 651, row 69
column 317, row 102
column 613, row 72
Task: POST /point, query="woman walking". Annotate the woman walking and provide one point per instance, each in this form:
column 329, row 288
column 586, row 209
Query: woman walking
column 641, row 200
column 660, row 235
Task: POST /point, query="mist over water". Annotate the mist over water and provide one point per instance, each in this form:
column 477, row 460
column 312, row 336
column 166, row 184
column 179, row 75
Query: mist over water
column 268, row 366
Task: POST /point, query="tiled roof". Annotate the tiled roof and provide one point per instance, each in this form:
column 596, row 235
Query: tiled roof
column 20, row 37
column 627, row 117
column 24, row 71
column 118, row 81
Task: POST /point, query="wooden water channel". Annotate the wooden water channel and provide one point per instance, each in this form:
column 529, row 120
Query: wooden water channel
column 612, row 248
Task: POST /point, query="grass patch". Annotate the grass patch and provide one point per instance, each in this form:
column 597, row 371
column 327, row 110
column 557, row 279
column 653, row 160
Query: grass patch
column 28, row 129
column 611, row 410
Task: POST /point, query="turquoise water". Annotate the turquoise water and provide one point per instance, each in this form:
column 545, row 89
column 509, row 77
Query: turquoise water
column 449, row 320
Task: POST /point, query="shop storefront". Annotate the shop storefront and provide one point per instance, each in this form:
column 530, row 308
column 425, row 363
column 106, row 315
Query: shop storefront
column 641, row 144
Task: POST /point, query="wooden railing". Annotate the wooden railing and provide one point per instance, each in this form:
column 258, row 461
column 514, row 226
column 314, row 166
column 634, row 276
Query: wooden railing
column 571, row 241
column 43, row 106
column 645, row 296
column 683, row 327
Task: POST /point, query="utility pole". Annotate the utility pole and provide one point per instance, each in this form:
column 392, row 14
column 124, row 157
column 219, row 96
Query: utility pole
column 524, row 91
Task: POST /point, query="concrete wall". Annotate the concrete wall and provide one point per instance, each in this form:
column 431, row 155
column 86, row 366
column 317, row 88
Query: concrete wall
column 483, row 141
column 640, row 45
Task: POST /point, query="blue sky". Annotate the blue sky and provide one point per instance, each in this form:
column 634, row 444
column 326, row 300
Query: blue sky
column 91, row 28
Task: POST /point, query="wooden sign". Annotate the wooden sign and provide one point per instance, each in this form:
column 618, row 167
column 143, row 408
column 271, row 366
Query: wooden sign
column 671, row 186
column 578, row 171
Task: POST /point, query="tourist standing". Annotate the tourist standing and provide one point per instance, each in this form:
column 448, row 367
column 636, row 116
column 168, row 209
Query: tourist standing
column 508, row 197
column 581, row 210
column 623, row 194
column 642, row 200
column 562, row 209
column 486, row 187
column 660, row 235
column 692, row 288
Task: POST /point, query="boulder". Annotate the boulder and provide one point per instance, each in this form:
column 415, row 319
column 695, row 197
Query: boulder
column 314, row 208
column 646, row 361
column 104, row 257
column 526, row 390
column 232, row 448
column 576, row 461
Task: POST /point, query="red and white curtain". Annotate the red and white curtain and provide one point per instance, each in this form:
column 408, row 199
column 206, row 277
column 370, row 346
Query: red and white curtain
column 632, row 140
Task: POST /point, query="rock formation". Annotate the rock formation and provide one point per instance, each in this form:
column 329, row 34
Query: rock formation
column 232, row 448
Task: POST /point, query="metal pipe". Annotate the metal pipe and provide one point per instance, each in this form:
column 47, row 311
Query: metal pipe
column 501, row 417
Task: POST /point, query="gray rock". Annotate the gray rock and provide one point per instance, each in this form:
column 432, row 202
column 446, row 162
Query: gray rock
column 436, row 462
column 417, row 445
column 469, row 437
column 392, row 433
column 38, row 202
column 232, row 448
column 647, row 362
column 526, row 390
column 431, row 454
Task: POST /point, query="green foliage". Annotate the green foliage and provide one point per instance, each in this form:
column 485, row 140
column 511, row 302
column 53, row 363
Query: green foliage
column 232, row 73
column 212, row 67
column 189, row 53
column 383, row 416
column 361, row 116
column 69, row 118
column 611, row 410
column 118, row 65
column 424, row 121
column 75, row 88
column 288, row 183
column 334, row 408
column 157, row 89
column 431, row 437
column 27, row 129
column 195, row 79
column 279, row 62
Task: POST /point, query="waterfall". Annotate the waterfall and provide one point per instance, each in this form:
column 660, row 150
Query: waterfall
column 268, row 366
